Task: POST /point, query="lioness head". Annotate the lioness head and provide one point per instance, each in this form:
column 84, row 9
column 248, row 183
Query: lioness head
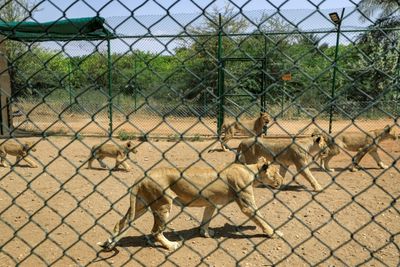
column 29, row 146
column 390, row 133
column 319, row 145
column 322, row 142
column 265, row 117
column 269, row 174
column 130, row 147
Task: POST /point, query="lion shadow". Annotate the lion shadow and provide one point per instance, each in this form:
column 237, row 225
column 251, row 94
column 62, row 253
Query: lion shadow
column 294, row 188
column 344, row 169
column 21, row 165
column 320, row 169
column 287, row 187
column 107, row 169
column 226, row 231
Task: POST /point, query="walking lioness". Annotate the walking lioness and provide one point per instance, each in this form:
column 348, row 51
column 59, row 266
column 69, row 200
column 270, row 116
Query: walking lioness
column 119, row 153
column 249, row 128
column 363, row 143
column 196, row 187
column 17, row 149
column 285, row 153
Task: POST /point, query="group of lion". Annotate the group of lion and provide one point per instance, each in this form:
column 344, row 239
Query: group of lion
column 20, row 150
column 299, row 151
column 205, row 187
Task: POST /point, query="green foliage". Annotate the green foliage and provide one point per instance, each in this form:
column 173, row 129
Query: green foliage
column 124, row 135
column 370, row 65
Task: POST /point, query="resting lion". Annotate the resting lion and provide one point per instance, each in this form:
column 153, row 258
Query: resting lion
column 363, row 143
column 285, row 153
column 196, row 187
column 250, row 128
column 17, row 149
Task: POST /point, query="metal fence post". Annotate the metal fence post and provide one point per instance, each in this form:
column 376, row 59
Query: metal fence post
column 109, row 87
column 396, row 94
column 338, row 25
column 69, row 81
column 220, row 84
column 135, row 84
column 263, row 86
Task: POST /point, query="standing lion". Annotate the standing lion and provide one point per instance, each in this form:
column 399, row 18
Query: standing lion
column 249, row 128
column 196, row 187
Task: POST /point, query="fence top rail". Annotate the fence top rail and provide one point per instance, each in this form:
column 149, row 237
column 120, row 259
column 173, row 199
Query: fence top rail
column 295, row 32
column 253, row 22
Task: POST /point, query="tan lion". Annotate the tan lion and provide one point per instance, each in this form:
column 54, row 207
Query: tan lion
column 284, row 152
column 119, row 153
column 196, row 187
column 18, row 149
column 363, row 143
column 248, row 128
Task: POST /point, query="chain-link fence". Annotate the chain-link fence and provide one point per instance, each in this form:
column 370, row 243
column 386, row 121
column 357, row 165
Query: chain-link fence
column 75, row 91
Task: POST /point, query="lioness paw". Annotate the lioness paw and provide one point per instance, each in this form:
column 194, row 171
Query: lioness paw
column 383, row 166
column 353, row 169
column 173, row 246
column 277, row 234
column 318, row 188
column 206, row 232
column 106, row 245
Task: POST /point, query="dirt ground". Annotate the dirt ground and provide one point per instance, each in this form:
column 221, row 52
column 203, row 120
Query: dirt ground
column 140, row 124
column 55, row 214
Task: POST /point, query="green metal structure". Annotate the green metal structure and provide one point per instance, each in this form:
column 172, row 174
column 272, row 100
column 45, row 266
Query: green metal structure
column 77, row 29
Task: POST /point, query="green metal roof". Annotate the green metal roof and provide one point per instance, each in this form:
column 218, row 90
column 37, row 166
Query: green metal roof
column 61, row 30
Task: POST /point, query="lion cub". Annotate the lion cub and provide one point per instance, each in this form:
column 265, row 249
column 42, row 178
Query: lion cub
column 17, row 149
column 119, row 153
column 363, row 143
column 250, row 128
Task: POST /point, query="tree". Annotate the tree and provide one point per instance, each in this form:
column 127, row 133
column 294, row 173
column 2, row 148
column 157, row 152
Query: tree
column 385, row 8
column 202, row 52
column 378, row 64
column 18, row 10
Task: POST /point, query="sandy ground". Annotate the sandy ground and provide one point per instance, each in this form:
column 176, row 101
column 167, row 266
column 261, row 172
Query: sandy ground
column 140, row 124
column 55, row 214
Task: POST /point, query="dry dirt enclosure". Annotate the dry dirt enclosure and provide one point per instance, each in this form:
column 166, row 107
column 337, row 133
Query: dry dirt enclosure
column 55, row 215
column 171, row 126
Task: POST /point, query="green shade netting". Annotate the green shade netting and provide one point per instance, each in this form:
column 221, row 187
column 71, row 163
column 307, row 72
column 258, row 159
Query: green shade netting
column 62, row 30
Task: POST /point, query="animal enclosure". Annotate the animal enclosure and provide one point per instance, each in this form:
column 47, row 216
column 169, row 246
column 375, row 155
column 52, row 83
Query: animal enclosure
column 168, row 82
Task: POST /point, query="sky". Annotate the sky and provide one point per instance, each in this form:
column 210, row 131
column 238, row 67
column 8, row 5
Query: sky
column 53, row 9
column 298, row 11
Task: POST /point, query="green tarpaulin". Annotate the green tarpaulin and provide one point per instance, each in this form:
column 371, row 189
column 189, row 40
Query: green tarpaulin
column 61, row 30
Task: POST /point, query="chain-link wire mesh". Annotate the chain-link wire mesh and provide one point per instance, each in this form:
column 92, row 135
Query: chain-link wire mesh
column 178, row 86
